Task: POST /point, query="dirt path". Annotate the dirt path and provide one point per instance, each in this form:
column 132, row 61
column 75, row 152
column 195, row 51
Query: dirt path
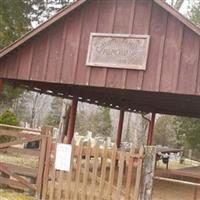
column 173, row 191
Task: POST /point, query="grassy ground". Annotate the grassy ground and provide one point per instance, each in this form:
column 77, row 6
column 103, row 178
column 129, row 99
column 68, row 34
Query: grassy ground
column 174, row 164
column 17, row 159
column 21, row 160
column 12, row 195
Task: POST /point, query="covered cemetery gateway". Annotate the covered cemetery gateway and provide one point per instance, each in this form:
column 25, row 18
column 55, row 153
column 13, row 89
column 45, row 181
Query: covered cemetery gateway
column 165, row 77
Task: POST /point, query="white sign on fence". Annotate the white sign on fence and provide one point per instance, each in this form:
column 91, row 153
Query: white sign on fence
column 63, row 157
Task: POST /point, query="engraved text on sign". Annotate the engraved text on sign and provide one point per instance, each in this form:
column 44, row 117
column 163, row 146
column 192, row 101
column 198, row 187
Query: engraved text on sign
column 118, row 51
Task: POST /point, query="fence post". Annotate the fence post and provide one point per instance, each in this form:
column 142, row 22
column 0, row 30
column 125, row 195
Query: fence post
column 46, row 133
column 46, row 168
column 148, row 172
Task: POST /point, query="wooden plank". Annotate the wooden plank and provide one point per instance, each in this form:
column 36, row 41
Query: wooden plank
column 91, row 14
column 20, row 128
column 41, row 166
column 31, row 139
column 16, row 169
column 14, row 150
column 129, row 175
column 171, row 55
column 60, row 185
column 67, row 191
column 138, row 176
column 103, row 173
column 120, row 174
column 177, row 181
column 38, row 62
column 94, row 172
column 17, row 133
column 45, row 181
column 53, row 65
column 52, row 184
column 86, row 172
column 157, row 31
column 171, row 172
column 11, row 72
column 121, row 25
column 189, row 63
column 71, row 51
column 12, row 183
column 101, row 153
column 78, row 170
column 18, row 178
column 141, row 24
column 106, row 16
column 112, row 170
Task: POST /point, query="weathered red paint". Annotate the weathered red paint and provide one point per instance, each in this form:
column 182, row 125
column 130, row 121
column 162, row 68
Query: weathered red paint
column 56, row 54
column 120, row 128
column 72, row 120
column 1, row 85
column 151, row 129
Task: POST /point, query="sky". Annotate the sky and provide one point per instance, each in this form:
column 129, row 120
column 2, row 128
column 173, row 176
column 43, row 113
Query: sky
column 185, row 5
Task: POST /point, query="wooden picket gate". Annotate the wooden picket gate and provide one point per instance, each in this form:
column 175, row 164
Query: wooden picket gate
column 97, row 173
column 18, row 176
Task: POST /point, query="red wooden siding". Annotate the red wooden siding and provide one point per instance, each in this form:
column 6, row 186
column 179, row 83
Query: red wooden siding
column 58, row 54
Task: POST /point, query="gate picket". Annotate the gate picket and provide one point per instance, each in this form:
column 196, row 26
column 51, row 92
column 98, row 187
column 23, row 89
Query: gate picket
column 93, row 174
column 67, row 191
column 78, row 172
column 86, row 172
column 112, row 171
column 120, row 174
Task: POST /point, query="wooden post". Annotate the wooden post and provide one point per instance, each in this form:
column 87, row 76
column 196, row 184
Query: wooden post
column 64, row 121
column 151, row 128
column 46, row 167
column 148, row 172
column 2, row 173
column 196, row 191
column 1, row 85
column 120, row 128
column 72, row 119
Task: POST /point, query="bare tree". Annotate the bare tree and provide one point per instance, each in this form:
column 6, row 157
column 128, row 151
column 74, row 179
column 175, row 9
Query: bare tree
column 176, row 4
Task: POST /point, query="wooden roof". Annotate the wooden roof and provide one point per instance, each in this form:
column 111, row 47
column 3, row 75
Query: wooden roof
column 52, row 57
column 67, row 9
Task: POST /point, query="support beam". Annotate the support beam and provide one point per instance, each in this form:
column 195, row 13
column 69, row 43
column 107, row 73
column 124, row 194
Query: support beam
column 120, row 128
column 151, row 129
column 72, row 119
column 1, row 85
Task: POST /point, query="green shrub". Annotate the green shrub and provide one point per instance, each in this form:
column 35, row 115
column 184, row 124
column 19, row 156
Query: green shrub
column 8, row 118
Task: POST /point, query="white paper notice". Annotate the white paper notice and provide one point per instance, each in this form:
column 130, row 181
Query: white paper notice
column 63, row 157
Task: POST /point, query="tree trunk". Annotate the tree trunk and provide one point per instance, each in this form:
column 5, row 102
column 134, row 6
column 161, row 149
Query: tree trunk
column 178, row 4
column 64, row 120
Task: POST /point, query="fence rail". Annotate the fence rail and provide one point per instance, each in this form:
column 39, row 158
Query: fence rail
column 20, row 176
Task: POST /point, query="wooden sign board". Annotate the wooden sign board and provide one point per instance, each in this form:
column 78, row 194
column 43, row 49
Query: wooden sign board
column 63, row 157
column 118, row 51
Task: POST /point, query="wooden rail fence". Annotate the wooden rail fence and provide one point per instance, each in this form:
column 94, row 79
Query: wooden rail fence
column 19, row 176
